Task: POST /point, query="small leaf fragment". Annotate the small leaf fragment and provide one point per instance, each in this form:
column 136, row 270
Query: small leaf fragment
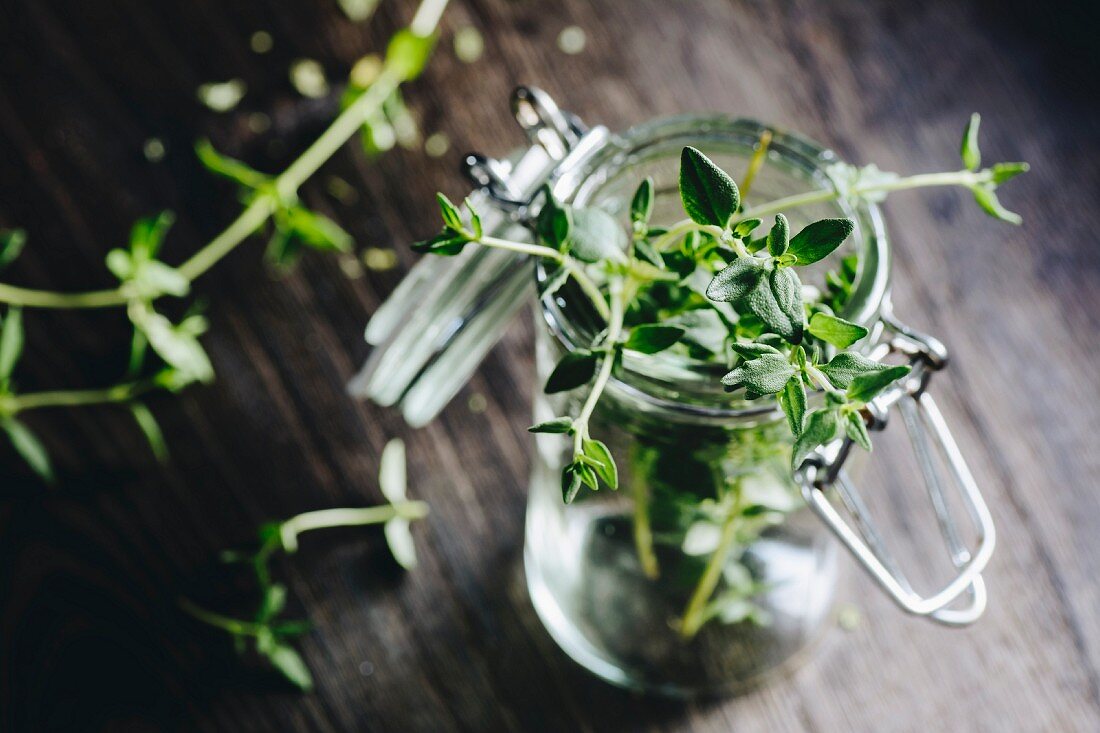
column 766, row 374
column 971, row 156
column 836, row 331
column 779, row 236
column 856, row 429
column 596, row 236
column 736, row 281
column 652, row 338
column 818, row 240
column 641, row 205
column 864, row 388
column 821, row 428
column 28, row 446
column 606, row 469
column 792, row 400
column 574, row 369
column 709, row 195
column 555, row 426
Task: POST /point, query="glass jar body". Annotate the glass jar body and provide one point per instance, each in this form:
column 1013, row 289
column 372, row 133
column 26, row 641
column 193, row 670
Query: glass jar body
column 704, row 572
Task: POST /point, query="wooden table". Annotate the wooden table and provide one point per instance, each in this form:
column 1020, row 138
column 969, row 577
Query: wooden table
column 90, row 634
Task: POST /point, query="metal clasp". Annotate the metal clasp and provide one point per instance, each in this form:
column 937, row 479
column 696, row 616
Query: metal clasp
column 927, row 431
column 555, row 132
column 437, row 326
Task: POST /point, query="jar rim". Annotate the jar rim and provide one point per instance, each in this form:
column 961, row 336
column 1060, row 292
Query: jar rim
column 870, row 288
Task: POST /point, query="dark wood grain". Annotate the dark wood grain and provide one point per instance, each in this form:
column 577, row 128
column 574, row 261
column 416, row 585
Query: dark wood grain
column 90, row 637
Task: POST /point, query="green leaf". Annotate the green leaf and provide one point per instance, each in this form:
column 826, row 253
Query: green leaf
column 766, row 374
column 596, row 236
column 451, row 218
column 836, row 331
column 557, row 425
column 228, row 167
column 651, row 338
column 744, row 228
column 11, row 342
column 475, row 218
column 641, row 205
column 779, row 236
column 647, row 253
column 447, row 244
column 317, row 231
column 30, row 448
column 147, row 235
column 120, row 263
column 753, row 349
column 991, row 205
column 586, row 472
column 709, row 195
column 856, row 429
column 848, row 365
column 153, row 278
column 400, row 541
column 822, row 427
column 285, row 659
column 408, row 53
column 777, row 301
column 736, row 281
column 11, row 245
column 150, row 429
column 573, row 370
column 571, row 482
column 178, row 348
column 392, row 472
column 274, row 601
column 1005, row 171
column 864, row 388
column 606, row 469
column 818, row 240
column 792, row 399
column 555, row 222
column 971, row 156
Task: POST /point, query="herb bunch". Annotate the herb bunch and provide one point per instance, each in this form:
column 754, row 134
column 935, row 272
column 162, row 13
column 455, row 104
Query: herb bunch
column 268, row 635
column 166, row 354
column 725, row 265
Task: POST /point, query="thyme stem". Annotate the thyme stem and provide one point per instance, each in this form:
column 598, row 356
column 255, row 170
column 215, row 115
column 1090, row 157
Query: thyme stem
column 614, row 330
column 76, row 397
column 921, row 180
column 576, row 271
column 694, row 613
column 345, row 517
column 232, row 625
column 643, row 531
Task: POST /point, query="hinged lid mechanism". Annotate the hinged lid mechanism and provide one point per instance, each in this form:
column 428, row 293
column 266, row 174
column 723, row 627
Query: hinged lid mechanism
column 436, row 327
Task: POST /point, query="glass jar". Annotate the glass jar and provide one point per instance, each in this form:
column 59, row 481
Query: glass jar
column 713, row 565
column 706, row 570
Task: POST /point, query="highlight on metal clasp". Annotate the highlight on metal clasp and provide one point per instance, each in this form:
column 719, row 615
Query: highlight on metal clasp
column 546, row 125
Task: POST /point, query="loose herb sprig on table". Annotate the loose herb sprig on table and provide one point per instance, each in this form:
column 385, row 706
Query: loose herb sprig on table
column 267, row 634
column 778, row 343
column 145, row 280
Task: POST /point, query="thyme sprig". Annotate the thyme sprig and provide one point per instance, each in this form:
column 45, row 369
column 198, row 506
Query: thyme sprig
column 145, row 280
column 656, row 286
column 782, row 345
column 266, row 633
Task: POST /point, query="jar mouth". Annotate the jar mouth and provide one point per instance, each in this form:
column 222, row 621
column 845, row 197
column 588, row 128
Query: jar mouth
column 681, row 387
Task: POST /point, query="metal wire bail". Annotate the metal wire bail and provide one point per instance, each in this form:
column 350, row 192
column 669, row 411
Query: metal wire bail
column 435, row 328
column 927, row 432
